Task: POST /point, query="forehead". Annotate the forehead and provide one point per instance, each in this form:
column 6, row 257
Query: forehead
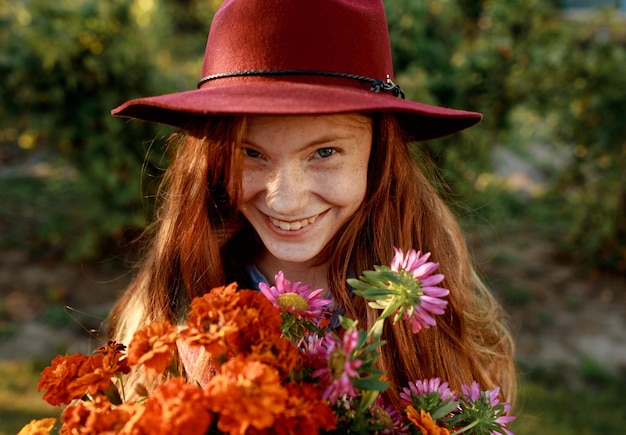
column 311, row 127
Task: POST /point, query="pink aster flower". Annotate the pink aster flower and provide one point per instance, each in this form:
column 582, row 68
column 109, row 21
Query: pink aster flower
column 295, row 298
column 490, row 398
column 311, row 348
column 429, row 297
column 336, row 375
column 393, row 420
column 426, row 386
column 471, row 391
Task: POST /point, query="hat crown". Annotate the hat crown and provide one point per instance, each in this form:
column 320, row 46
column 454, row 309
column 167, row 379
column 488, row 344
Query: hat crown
column 298, row 57
column 338, row 36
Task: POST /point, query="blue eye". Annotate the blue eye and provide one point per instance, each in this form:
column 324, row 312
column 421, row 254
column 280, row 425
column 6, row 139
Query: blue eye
column 324, row 152
column 252, row 153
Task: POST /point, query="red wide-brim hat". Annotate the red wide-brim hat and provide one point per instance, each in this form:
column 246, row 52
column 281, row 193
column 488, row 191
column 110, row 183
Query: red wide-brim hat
column 299, row 57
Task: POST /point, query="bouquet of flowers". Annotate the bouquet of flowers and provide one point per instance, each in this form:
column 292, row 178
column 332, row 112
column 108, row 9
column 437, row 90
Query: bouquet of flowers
column 264, row 363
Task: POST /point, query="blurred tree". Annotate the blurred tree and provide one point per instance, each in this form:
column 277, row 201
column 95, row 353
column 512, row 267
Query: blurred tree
column 575, row 76
column 64, row 65
column 187, row 23
column 495, row 56
column 424, row 39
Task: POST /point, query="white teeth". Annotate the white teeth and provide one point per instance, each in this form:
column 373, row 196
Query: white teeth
column 293, row 226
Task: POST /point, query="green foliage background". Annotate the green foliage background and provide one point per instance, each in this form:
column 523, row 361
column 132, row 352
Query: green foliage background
column 542, row 78
column 536, row 75
column 544, row 81
column 64, row 65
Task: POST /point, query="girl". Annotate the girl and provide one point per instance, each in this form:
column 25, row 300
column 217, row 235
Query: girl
column 293, row 155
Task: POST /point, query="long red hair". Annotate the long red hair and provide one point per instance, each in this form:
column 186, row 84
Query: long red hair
column 198, row 240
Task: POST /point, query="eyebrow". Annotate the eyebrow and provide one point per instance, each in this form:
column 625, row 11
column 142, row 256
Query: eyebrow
column 316, row 142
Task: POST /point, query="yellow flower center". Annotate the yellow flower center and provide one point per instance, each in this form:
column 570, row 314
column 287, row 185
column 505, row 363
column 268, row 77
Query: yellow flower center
column 288, row 300
column 383, row 417
column 336, row 363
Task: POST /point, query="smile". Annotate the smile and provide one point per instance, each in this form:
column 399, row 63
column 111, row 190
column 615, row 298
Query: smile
column 292, row 226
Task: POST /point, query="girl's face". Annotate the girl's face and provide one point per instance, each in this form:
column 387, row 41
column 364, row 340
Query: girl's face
column 303, row 178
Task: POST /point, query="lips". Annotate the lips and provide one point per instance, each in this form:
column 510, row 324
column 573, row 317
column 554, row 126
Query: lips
column 293, row 225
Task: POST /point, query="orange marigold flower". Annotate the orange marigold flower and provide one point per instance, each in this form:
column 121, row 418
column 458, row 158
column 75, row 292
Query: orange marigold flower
column 424, row 422
column 305, row 412
column 102, row 367
column 152, row 346
column 261, row 309
column 56, row 378
column 258, row 320
column 213, row 318
column 276, row 351
column 113, row 358
column 175, row 407
column 218, row 299
column 246, row 394
column 96, row 417
column 225, row 291
column 38, row 427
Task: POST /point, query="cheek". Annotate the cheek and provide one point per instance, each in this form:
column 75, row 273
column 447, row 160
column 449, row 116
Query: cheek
column 360, row 174
column 350, row 187
column 251, row 184
column 359, row 185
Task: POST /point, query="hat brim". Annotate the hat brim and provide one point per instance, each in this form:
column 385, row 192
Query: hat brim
column 420, row 121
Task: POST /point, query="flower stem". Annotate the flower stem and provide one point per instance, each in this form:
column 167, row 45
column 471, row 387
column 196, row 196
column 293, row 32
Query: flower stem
column 368, row 398
column 377, row 329
column 466, row 428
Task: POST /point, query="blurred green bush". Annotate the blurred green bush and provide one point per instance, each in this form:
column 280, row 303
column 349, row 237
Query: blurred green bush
column 574, row 76
column 65, row 64
column 501, row 57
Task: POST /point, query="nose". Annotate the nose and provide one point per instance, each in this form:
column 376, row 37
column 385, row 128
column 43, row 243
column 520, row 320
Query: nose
column 286, row 191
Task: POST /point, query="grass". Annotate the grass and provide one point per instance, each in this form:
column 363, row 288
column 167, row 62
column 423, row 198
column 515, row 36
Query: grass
column 559, row 410
column 546, row 404
column 19, row 400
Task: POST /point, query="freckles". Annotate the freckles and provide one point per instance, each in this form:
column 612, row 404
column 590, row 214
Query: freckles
column 251, row 183
column 345, row 185
column 359, row 169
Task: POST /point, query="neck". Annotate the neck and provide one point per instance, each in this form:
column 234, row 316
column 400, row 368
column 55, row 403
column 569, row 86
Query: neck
column 311, row 273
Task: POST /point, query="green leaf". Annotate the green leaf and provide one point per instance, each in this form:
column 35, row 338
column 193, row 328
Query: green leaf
column 444, row 409
column 370, row 383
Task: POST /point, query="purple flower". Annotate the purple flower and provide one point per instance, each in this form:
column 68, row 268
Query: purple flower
column 295, row 298
column 388, row 415
column 489, row 398
column 336, row 375
column 426, row 386
column 472, row 391
column 313, row 352
column 430, row 297
column 406, row 289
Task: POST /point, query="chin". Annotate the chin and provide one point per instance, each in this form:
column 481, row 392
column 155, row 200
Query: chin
column 294, row 257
